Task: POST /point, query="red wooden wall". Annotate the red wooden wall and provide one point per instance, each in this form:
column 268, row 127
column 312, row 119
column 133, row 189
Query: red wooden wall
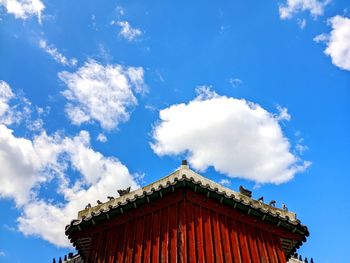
column 185, row 226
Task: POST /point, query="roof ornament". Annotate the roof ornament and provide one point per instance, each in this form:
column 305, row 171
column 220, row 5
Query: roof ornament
column 99, row 202
column 284, row 207
column 261, row 199
column 245, row 192
column 272, row 203
column 88, row 206
column 110, row 198
column 122, row 192
column 184, row 164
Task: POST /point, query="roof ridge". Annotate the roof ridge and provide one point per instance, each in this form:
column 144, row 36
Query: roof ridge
column 184, row 172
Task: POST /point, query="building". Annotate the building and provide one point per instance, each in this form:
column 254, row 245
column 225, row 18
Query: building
column 185, row 217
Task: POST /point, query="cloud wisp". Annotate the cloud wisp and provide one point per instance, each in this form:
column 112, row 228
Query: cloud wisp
column 235, row 82
column 127, row 31
column 337, row 41
column 103, row 94
column 101, row 138
column 234, row 136
column 6, row 95
column 56, row 55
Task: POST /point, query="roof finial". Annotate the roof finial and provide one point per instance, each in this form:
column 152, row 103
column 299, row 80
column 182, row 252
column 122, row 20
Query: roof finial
column 125, row 191
column 184, row 164
column 245, row 192
column 272, row 203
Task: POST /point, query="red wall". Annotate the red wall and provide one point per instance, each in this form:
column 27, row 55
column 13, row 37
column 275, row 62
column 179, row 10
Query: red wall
column 185, row 226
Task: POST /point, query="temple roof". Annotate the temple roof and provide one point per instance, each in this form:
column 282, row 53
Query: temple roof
column 185, row 177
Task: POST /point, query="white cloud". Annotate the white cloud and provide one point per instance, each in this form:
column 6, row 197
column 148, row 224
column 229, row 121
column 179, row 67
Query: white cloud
column 337, row 41
column 236, row 137
column 2, row 254
column 101, row 137
column 23, row 164
column 127, row 31
column 21, row 160
column 24, row 9
column 102, row 175
column 28, row 165
column 291, row 7
column 102, row 93
column 56, row 55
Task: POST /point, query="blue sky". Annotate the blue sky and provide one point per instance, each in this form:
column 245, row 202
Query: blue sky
column 101, row 95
